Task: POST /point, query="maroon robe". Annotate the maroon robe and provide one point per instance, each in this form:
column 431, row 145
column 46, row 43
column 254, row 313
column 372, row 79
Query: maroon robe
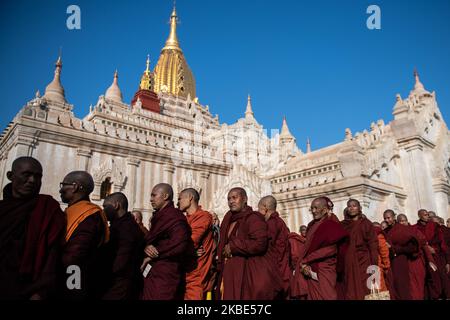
column 31, row 233
column 446, row 235
column 279, row 247
column 404, row 248
column 320, row 253
column 170, row 234
column 249, row 274
column 296, row 242
column 362, row 252
column 436, row 281
column 125, row 254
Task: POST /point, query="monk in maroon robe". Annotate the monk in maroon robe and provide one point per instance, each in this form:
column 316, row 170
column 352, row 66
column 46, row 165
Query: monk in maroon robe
column 31, row 233
column 315, row 273
column 87, row 233
column 296, row 242
column 278, row 232
column 404, row 247
column 169, row 248
column 362, row 252
column 125, row 251
column 245, row 271
column 432, row 232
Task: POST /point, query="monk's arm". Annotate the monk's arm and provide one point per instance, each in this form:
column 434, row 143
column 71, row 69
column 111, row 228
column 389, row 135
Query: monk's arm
column 409, row 248
column 178, row 243
column 199, row 227
column 255, row 242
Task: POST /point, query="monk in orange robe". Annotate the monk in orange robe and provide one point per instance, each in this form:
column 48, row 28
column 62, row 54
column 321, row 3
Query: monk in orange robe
column 362, row 252
column 87, row 232
column 279, row 248
column 384, row 263
column 200, row 222
column 32, row 228
column 315, row 273
column 245, row 271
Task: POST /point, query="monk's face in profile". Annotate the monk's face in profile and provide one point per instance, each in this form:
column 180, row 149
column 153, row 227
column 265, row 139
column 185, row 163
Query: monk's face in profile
column 26, row 179
column 389, row 218
column 110, row 208
column 158, row 198
column 303, row 231
column 403, row 220
column 318, row 209
column 424, row 215
column 184, row 201
column 353, row 208
column 236, row 201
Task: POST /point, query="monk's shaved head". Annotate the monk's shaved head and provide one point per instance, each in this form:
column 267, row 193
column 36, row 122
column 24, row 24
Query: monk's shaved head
column 165, row 188
column 192, row 192
column 19, row 162
column 25, row 177
column 402, row 219
column 83, row 179
column 241, row 191
column 269, row 202
column 118, row 197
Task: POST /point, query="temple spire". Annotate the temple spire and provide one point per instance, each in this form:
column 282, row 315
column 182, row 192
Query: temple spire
column 285, row 133
column 146, row 79
column 172, row 40
column 54, row 90
column 113, row 91
column 308, row 146
column 248, row 110
column 418, row 86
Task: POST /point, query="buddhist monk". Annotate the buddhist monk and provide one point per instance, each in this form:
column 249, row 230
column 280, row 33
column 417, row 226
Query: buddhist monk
column 383, row 225
column 200, row 222
column 445, row 256
column 404, row 246
column 125, row 250
column 403, row 219
column 384, row 262
column 362, row 252
column 212, row 282
column 32, row 229
column 245, row 272
column 315, row 273
column 296, row 242
column 86, row 235
column 138, row 218
column 433, row 234
column 168, row 246
column 278, row 232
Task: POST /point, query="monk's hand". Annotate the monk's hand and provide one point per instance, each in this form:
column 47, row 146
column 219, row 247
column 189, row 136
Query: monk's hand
column 306, row 270
column 145, row 262
column 432, row 250
column 227, row 251
column 388, row 245
column 151, row 251
column 432, row 266
column 200, row 251
column 447, row 268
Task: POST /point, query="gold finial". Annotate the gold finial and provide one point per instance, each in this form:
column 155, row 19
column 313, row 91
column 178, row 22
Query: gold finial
column 146, row 79
column 148, row 64
column 172, row 41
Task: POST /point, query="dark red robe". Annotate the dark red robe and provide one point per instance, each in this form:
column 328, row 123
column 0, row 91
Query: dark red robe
column 249, row 274
column 404, row 248
column 171, row 236
column 31, row 234
column 320, row 252
column 279, row 247
column 125, row 254
column 296, row 242
column 362, row 252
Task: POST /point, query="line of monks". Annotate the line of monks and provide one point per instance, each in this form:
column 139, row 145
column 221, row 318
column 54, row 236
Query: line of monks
column 90, row 253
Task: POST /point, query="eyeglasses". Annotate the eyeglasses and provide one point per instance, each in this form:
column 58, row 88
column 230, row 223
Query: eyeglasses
column 62, row 184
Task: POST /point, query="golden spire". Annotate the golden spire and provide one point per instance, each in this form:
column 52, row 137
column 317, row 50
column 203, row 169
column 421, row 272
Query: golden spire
column 54, row 90
column 146, row 79
column 113, row 91
column 249, row 111
column 172, row 40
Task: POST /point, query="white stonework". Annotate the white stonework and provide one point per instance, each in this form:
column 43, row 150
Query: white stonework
column 403, row 165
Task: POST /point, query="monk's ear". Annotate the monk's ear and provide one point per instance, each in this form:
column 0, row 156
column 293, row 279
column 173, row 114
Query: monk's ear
column 9, row 175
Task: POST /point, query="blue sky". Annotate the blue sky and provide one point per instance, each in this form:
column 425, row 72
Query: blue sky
column 313, row 61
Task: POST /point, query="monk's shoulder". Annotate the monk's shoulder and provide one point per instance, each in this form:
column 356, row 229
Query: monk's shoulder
column 255, row 217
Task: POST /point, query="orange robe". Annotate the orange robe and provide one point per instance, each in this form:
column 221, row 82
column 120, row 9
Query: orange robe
column 197, row 280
